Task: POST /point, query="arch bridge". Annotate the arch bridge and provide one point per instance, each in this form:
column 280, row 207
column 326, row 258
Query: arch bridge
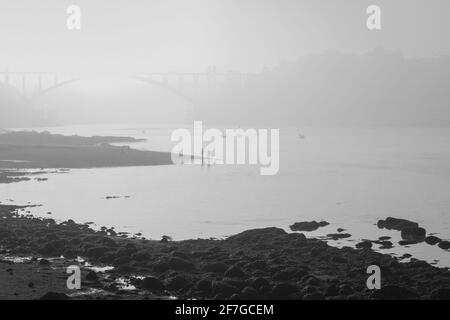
column 187, row 85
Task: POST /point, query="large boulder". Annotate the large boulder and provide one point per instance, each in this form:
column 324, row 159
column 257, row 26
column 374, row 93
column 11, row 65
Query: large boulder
column 396, row 224
column 444, row 245
column 337, row 236
column 258, row 235
column 308, row 225
column 413, row 234
column 364, row 245
column 432, row 240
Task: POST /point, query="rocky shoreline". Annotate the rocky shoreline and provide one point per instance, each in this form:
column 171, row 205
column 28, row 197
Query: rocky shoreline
column 256, row 264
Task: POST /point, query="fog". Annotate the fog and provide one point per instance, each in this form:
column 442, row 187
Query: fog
column 247, row 36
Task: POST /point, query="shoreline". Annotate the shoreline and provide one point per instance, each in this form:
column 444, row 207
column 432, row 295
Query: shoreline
column 32, row 150
column 268, row 263
column 264, row 263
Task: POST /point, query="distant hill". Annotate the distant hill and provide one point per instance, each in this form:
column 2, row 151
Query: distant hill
column 380, row 87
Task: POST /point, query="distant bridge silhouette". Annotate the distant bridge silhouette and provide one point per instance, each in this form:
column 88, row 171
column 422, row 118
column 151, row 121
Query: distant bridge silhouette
column 181, row 84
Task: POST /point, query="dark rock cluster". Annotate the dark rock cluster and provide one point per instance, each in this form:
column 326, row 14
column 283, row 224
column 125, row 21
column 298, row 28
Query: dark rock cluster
column 308, row 225
column 256, row 264
column 411, row 232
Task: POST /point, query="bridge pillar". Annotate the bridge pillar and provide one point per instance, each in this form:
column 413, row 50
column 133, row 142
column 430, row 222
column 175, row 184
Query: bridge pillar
column 40, row 82
column 180, row 82
column 196, row 80
column 24, row 86
column 211, row 74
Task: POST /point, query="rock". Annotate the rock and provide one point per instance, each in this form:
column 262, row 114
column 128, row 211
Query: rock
column 258, row 235
column 178, row 282
column 265, row 291
column 54, row 296
column 141, row 256
column 346, row 290
column 337, row 236
column 394, row 264
column 179, row 264
column 152, row 283
column 204, row 286
column 96, row 252
column 407, row 242
column 396, row 224
column 413, row 234
column 289, row 274
column 109, row 242
column 68, row 253
column 441, row 294
column 249, row 293
column 444, row 245
column 283, row 290
column 224, row 289
column 126, row 268
column 165, row 239
column 49, row 249
column 111, row 287
column 432, row 240
column 92, row 276
column 308, row 226
column 314, row 296
column 44, row 262
column 385, row 244
column 216, row 267
column 235, row 297
column 309, row 290
column 160, row 266
column 234, row 271
column 260, row 282
column 256, row 265
column 124, row 252
column 121, row 261
column 310, row 280
column 364, row 245
column 180, row 254
column 338, row 259
column 332, row 291
column 383, row 238
column 392, row 292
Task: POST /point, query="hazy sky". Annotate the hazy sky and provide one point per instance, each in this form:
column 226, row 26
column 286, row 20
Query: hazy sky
column 189, row 35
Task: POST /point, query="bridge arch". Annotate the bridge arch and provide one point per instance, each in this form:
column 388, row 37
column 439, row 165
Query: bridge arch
column 141, row 79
